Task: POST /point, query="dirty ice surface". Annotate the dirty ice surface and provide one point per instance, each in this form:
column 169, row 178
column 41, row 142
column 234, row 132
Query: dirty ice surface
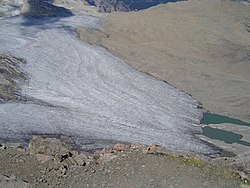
column 82, row 91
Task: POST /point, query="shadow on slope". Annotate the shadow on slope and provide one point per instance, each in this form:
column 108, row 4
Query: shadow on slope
column 45, row 8
column 41, row 12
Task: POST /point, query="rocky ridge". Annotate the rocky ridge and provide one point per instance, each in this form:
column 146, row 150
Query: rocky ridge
column 48, row 162
column 125, row 5
column 109, row 5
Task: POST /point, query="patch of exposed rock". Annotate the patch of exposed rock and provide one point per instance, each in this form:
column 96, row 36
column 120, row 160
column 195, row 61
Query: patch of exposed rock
column 55, row 152
column 109, row 5
column 124, row 5
column 11, row 78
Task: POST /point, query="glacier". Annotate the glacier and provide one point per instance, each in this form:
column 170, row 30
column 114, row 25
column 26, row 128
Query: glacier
column 83, row 91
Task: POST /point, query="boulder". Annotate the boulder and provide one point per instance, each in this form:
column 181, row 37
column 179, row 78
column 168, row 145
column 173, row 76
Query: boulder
column 52, row 149
column 121, row 147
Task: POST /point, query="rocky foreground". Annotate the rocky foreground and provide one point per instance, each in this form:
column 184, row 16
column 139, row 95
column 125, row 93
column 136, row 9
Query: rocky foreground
column 48, row 162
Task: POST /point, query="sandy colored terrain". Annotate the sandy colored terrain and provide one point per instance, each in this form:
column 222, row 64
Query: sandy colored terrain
column 199, row 46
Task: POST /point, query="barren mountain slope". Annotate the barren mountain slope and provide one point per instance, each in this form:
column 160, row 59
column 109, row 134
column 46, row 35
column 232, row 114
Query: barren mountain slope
column 200, row 46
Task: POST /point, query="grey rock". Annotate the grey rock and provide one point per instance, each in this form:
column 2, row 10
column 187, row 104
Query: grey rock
column 121, row 147
column 110, row 5
column 12, row 181
column 11, row 78
column 80, row 159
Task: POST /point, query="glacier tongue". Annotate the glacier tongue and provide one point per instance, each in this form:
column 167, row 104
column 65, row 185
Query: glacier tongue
column 83, row 91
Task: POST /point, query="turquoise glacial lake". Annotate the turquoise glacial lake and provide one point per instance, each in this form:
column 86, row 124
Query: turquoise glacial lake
column 222, row 135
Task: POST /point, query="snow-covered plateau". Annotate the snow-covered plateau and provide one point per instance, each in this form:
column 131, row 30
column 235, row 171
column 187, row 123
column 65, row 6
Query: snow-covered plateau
column 83, row 91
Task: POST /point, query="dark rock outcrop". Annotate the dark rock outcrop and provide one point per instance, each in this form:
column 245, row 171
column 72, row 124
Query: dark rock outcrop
column 110, row 5
column 125, row 5
column 11, row 78
column 39, row 8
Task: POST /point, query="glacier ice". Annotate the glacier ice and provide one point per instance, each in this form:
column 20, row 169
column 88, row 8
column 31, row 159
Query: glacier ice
column 83, row 91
